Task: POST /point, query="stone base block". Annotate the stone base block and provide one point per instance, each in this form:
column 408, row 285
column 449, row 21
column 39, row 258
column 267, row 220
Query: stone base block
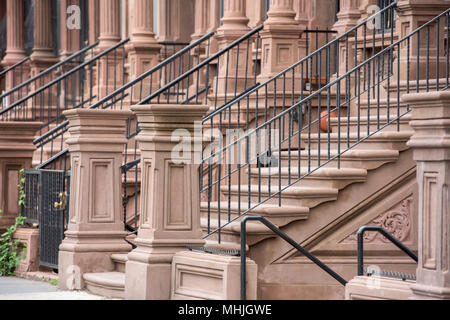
column 73, row 265
column 428, row 292
column 146, row 281
column 378, row 288
column 203, row 276
column 30, row 238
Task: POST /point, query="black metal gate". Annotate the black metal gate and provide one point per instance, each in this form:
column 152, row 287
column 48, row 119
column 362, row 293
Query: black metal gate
column 47, row 202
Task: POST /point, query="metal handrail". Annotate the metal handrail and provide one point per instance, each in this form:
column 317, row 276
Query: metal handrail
column 202, row 64
column 286, row 238
column 64, row 76
column 391, row 238
column 13, row 67
column 47, row 71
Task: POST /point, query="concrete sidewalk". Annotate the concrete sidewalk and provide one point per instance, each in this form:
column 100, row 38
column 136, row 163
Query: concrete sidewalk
column 13, row 288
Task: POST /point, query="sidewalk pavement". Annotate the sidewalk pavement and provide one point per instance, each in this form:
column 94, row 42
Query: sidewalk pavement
column 13, row 288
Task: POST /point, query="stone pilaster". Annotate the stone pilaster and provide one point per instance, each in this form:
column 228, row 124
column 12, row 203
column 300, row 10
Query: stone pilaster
column 95, row 229
column 431, row 122
column 170, row 208
column 280, row 39
column 16, row 153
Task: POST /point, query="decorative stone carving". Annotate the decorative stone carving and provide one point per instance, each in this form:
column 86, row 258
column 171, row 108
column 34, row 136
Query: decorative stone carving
column 397, row 221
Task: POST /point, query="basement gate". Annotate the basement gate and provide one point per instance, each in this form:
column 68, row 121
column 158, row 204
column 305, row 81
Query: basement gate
column 46, row 203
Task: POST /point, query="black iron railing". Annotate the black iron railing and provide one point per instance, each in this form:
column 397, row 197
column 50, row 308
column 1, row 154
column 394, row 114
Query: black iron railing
column 16, row 75
column 283, row 114
column 22, row 87
column 72, row 89
column 286, row 238
column 387, row 235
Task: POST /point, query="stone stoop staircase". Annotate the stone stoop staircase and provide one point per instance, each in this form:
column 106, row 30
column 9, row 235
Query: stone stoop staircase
column 320, row 186
column 109, row 284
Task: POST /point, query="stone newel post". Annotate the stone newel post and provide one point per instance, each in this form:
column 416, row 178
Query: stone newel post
column 170, row 207
column 431, row 144
column 95, row 230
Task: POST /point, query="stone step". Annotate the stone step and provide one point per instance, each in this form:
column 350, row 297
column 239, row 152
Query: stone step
column 292, row 196
column 106, row 284
column 119, row 261
column 362, row 159
column 375, row 122
column 322, row 177
column 392, row 140
column 280, row 216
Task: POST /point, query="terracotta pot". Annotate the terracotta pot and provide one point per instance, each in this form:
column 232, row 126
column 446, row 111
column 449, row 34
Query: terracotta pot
column 324, row 120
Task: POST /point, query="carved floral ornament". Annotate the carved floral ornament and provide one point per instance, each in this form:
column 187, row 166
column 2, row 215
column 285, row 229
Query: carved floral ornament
column 396, row 221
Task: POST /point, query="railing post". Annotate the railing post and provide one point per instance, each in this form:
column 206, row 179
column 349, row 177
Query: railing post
column 170, row 208
column 95, row 228
column 430, row 143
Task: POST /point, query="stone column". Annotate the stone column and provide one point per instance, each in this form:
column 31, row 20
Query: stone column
column 143, row 48
column 95, row 230
column 109, row 36
column 348, row 15
column 170, row 207
column 302, row 8
column 94, row 25
column 16, row 153
column 234, row 25
column 279, row 39
column 109, row 23
column 15, row 47
column 42, row 56
column 431, row 145
column 201, row 19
